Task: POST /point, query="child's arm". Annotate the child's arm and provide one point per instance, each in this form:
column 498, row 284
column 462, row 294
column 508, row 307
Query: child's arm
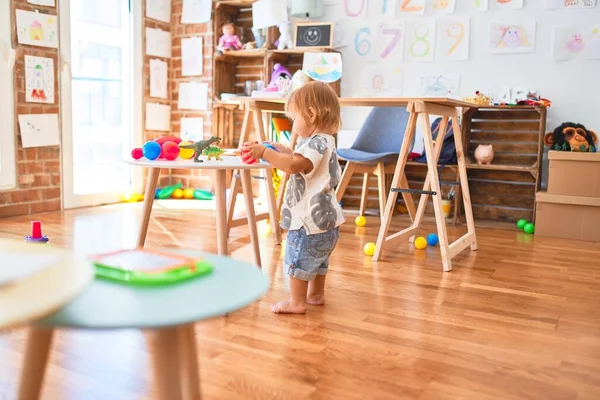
column 289, row 163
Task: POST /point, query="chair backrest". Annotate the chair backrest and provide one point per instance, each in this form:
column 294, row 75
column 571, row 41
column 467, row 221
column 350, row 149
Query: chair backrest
column 383, row 130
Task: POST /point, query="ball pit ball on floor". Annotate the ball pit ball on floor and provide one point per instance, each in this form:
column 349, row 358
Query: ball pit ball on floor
column 421, row 243
column 186, row 153
column 177, row 193
column 360, row 221
column 369, row 249
column 137, row 153
column 529, row 228
column 188, row 193
column 151, row 150
column 432, row 239
column 521, row 223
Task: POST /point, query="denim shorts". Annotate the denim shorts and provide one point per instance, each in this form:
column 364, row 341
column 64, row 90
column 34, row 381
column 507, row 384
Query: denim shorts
column 307, row 256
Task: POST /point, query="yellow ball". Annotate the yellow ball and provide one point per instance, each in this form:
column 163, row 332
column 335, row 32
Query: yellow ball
column 360, row 221
column 369, row 248
column 420, row 243
column 188, row 193
column 177, row 194
column 186, row 153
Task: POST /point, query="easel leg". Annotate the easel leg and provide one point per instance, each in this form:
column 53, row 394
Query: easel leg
column 381, row 188
column 151, row 183
column 363, row 196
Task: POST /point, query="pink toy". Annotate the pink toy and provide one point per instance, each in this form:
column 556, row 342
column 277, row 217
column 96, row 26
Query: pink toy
column 36, row 233
column 229, row 40
column 484, row 154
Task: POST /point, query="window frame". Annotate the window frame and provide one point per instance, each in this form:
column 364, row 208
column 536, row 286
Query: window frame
column 8, row 173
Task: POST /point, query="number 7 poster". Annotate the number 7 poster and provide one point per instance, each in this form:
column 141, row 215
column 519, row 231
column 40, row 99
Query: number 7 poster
column 453, row 38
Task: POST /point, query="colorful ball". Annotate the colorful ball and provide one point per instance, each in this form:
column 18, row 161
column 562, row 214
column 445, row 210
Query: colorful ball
column 420, row 243
column 521, row 223
column 432, row 239
column 360, row 221
column 369, row 249
column 529, row 228
column 151, row 150
column 170, row 150
column 186, row 153
column 137, row 153
column 177, row 194
column 188, row 193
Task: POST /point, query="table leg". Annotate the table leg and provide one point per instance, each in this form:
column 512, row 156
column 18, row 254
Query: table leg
column 220, row 193
column 188, row 361
column 249, row 200
column 34, row 366
column 164, row 350
column 151, row 182
column 273, row 214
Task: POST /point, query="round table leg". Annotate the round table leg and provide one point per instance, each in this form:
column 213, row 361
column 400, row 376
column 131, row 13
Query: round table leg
column 190, row 374
column 34, row 366
column 221, row 203
column 249, row 200
column 164, row 350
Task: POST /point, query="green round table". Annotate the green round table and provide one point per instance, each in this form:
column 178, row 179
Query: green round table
column 168, row 311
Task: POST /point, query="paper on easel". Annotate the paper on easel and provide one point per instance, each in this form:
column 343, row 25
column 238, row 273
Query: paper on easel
column 196, row 11
column 158, row 117
column 193, row 96
column 158, row 43
column 192, row 129
column 158, row 79
column 191, row 56
column 39, row 130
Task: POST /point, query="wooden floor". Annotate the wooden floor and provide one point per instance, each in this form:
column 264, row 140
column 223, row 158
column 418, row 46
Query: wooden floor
column 518, row 319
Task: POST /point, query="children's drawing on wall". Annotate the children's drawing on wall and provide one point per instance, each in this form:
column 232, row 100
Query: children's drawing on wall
column 454, row 38
column 159, row 10
column 512, row 38
column 158, row 43
column 414, row 7
column 442, row 85
column 559, row 4
column 192, row 61
column 37, row 29
column 573, row 43
column 382, row 9
column 356, row 9
column 380, row 81
column 481, row 5
column 39, row 80
column 508, row 4
column 420, row 40
column 158, row 79
column 192, row 129
column 443, row 6
column 323, row 67
column 39, row 130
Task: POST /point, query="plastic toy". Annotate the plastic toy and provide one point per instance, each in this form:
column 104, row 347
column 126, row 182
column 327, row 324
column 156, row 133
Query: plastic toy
column 151, row 150
column 369, row 249
column 529, row 228
column 279, row 72
column 137, row 153
column 188, row 193
column 177, row 194
column 420, row 243
column 484, row 154
column 132, row 197
column 200, row 194
column 285, row 37
column 521, row 223
column 213, row 151
column 164, row 139
column 167, row 192
column 432, row 239
column 247, row 158
column 36, row 233
column 186, row 153
column 170, row 150
column 229, row 40
column 360, row 221
column 479, row 99
column 199, row 146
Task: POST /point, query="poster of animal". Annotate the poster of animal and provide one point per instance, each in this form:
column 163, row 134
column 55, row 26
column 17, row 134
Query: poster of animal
column 158, row 79
column 39, row 80
column 159, row 10
column 443, row 6
column 508, row 4
column 573, row 4
column 443, row 85
column 378, row 80
column 420, row 40
column 37, row 29
column 454, row 38
column 512, row 38
column 582, row 42
column 481, row 5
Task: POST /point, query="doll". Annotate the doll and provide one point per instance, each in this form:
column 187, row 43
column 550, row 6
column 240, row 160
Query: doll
column 229, row 40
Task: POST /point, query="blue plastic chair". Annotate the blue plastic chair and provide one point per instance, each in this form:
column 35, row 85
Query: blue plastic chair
column 375, row 151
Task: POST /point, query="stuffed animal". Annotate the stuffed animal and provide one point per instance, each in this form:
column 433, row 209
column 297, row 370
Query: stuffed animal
column 484, row 154
column 285, row 37
column 570, row 136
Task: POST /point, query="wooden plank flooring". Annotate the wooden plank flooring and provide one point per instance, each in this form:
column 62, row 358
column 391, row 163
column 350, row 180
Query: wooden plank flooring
column 518, row 319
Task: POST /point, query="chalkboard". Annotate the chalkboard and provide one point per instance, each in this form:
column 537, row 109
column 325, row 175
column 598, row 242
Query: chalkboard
column 314, row 35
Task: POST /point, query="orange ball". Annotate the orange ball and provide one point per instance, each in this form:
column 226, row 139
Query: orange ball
column 188, row 193
column 177, row 194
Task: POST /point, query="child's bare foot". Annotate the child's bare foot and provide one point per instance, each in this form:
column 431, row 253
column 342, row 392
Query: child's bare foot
column 316, row 299
column 289, row 307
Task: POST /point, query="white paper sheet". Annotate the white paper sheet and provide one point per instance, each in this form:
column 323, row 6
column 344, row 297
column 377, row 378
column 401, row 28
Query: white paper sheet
column 508, row 4
column 159, row 10
column 355, row 9
column 16, row 267
column 196, row 11
column 39, row 80
column 382, row 9
column 512, row 38
column 323, row 67
column 158, row 117
column 193, row 96
column 481, row 5
column 420, row 40
column 158, row 43
column 192, row 129
column 454, row 38
column 582, row 42
column 192, row 56
column 37, row 29
column 391, row 41
column 49, row 3
column 158, row 79
column 412, row 7
column 380, row 80
column 443, row 85
column 560, row 4
column 39, row 130
column 443, row 6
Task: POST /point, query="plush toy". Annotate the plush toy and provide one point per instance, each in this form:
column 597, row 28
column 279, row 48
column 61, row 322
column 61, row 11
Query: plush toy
column 570, row 136
column 285, row 37
column 229, row 40
column 279, row 72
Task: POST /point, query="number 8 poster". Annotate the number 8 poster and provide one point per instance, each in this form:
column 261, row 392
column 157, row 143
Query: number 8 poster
column 420, row 40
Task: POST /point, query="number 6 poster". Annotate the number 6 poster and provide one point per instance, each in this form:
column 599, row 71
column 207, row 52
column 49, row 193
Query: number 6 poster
column 453, row 37
column 420, row 40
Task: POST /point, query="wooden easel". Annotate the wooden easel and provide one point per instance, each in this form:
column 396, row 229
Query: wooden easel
column 421, row 109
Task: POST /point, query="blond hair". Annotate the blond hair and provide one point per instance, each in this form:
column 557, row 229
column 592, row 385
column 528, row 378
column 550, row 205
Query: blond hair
column 318, row 99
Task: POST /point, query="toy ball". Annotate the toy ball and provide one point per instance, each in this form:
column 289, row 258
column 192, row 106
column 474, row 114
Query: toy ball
column 177, row 194
column 188, row 193
column 369, row 249
column 529, row 228
column 432, row 239
column 151, row 150
column 137, row 153
column 521, row 223
column 186, row 153
column 360, row 221
column 420, row 243
column 170, row 150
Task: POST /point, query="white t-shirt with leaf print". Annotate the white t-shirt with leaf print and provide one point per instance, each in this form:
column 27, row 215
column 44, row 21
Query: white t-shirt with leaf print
column 310, row 200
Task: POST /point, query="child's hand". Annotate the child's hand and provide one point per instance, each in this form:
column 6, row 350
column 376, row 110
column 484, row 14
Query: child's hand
column 255, row 150
column 281, row 148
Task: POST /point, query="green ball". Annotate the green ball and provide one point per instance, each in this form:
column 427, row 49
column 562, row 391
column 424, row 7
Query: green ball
column 529, row 228
column 521, row 223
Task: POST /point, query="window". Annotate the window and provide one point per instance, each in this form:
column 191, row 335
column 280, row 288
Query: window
column 7, row 136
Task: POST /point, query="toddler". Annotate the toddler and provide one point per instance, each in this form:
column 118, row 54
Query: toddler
column 310, row 212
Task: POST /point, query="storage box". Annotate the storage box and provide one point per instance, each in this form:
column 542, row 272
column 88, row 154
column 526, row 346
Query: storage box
column 568, row 217
column 574, row 174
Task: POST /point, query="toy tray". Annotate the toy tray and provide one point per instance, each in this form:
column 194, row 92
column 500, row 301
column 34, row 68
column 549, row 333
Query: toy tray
column 147, row 267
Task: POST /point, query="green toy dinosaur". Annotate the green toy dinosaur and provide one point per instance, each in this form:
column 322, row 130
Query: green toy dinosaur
column 200, row 146
column 213, row 151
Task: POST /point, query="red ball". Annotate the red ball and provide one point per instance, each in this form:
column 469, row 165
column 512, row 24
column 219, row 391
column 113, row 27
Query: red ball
column 137, row 153
column 170, row 150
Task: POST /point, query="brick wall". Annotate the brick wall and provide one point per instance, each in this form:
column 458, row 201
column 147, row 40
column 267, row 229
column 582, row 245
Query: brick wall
column 38, row 169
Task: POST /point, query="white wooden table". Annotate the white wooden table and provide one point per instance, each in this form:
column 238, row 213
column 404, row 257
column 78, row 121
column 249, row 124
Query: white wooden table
column 220, row 168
